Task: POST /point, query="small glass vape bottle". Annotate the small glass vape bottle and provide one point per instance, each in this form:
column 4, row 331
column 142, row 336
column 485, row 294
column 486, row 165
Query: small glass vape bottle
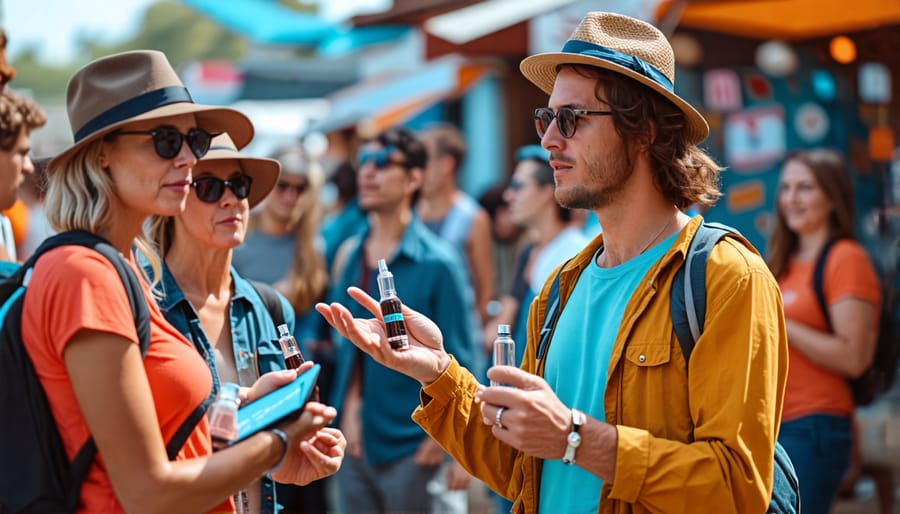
column 292, row 356
column 390, row 309
column 291, row 351
column 223, row 422
column 504, row 349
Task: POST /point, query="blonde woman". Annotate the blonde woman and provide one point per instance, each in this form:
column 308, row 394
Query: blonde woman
column 137, row 137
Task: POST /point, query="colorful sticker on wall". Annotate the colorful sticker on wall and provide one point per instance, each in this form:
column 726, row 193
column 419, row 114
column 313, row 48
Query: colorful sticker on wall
column 745, row 196
column 722, row 90
column 758, row 87
column 755, row 138
column 811, row 122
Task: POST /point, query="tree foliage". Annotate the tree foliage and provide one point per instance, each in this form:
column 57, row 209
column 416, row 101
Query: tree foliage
column 180, row 32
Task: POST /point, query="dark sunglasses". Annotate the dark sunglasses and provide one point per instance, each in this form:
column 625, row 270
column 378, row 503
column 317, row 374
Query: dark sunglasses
column 300, row 188
column 566, row 119
column 211, row 189
column 381, row 158
column 515, row 185
column 167, row 140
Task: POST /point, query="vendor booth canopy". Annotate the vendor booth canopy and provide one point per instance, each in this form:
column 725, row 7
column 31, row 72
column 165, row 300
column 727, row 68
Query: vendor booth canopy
column 783, row 19
column 393, row 99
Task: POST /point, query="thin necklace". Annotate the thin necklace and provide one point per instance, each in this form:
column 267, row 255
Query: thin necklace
column 600, row 251
column 669, row 222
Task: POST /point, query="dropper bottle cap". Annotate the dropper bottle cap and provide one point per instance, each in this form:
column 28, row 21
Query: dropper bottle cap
column 283, row 330
column 385, row 280
column 503, row 329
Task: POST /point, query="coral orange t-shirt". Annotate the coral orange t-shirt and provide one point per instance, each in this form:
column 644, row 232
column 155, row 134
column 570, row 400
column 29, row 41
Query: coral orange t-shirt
column 848, row 272
column 74, row 288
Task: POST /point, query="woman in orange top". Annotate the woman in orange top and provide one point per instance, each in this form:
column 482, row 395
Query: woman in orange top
column 814, row 206
column 138, row 135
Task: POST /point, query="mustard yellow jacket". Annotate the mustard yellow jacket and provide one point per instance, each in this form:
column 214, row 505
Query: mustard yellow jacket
column 689, row 440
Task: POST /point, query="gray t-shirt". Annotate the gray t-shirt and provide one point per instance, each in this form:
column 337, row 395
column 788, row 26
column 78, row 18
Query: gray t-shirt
column 263, row 257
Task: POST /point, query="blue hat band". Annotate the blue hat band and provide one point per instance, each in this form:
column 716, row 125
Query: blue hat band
column 134, row 107
column 631, row 62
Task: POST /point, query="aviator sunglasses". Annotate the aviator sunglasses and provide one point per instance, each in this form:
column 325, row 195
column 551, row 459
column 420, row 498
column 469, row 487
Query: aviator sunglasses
column 381, row 157
column 167, row 140
column 211, row 189
column 566, row 119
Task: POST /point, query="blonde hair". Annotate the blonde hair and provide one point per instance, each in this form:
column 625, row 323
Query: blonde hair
column 308, row 274
column 79, row 197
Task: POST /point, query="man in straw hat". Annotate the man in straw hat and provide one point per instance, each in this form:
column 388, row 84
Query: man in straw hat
column 605, row 416
column 138, row 136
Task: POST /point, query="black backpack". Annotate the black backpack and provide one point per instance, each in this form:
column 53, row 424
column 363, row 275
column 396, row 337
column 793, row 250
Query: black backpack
column 882, row 372
column 35, row 473
column 688, row 311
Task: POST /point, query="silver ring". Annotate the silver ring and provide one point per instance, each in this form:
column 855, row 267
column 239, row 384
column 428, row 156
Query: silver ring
column 498, row 419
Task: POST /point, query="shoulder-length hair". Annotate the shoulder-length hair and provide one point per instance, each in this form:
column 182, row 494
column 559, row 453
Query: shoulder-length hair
column 829, row 169
column 80, row 197
column 684, row 173
column 308, row 275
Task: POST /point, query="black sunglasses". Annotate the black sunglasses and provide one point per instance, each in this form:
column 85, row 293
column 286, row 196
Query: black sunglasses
column 381, row 158
column 300, row 188
column 566, row 119
column 167, row 140
column 211, row 189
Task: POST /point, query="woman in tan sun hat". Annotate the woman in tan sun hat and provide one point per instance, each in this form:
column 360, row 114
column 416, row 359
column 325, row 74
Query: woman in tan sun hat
column 197, row 247
column 137, row 138
column 604, row 415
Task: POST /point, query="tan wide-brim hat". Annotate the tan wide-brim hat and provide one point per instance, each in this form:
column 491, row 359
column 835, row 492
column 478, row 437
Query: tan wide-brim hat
column 623, row 45
column 264, row 172
column 131, row 86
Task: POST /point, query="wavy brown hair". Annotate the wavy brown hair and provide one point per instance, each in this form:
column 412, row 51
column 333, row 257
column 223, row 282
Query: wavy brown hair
column 644, row 119
column 829, row 169
column 18, row 113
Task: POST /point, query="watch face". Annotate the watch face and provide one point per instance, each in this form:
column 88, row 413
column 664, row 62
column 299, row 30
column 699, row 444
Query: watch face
column 574, row 439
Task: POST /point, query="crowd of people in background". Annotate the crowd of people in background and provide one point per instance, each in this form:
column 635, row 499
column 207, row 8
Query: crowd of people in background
column 223, row 221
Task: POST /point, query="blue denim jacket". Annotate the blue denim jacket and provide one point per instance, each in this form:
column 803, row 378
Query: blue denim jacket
column 252, row 330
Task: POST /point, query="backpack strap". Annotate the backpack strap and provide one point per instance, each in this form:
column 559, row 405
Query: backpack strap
column 270, row 298
column 687, row 302
column 141, row 313
column 552, row 314
column 819, row 280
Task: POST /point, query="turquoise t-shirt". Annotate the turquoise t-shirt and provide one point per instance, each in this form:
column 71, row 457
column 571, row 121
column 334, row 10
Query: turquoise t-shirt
column 577, row 363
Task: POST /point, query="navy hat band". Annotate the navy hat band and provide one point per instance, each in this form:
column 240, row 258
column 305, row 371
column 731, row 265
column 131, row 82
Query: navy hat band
column 134, row 107
column 633, row 63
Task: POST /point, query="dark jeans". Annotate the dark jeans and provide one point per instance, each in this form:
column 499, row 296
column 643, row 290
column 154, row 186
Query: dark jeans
column 819, row 447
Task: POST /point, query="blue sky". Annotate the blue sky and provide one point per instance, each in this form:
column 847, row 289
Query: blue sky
column 53, row 25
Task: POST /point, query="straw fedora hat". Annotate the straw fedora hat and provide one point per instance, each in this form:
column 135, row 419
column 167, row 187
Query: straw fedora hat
column 140, row 85
column 623, row 45
column 264, row 172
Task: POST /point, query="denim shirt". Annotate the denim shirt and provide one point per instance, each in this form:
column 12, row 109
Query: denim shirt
column 253, row 334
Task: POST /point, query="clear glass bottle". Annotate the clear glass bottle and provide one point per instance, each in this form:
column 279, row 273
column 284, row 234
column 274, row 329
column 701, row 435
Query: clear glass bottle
column 292, row 356
column 223, row 421
column 504, row 349
column 391, row 309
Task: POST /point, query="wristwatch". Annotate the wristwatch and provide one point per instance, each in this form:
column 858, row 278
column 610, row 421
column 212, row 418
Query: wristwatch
column 573, row 441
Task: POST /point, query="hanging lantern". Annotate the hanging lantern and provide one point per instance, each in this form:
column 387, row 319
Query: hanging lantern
column 776, row 58
column 687, row 50
column 842, row 49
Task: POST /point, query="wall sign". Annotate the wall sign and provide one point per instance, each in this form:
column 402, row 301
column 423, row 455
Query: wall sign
column 755, row 138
